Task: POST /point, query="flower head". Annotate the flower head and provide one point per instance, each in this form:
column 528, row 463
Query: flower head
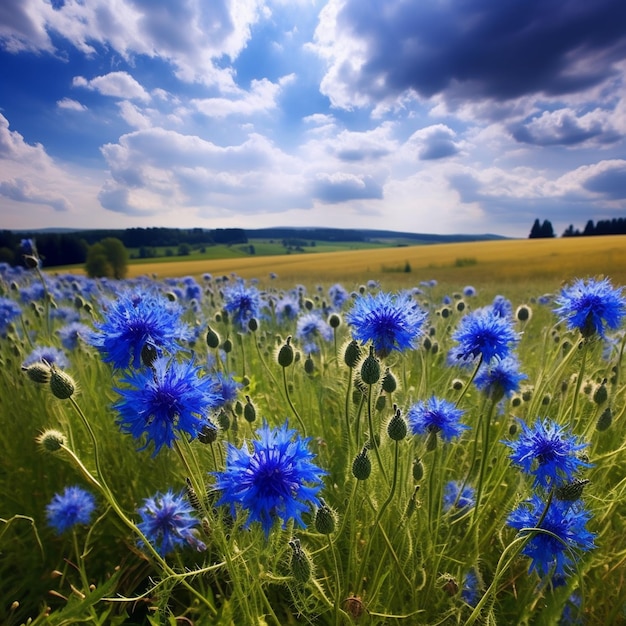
column 9, row 310
column 590, row 306
column 499, row 378
column 548, row 452
column 484, row 333
column 167, row 522
column 243, row 303
column 551, row 551
column 135, row 320
column 502, row 307
column 458, row 496
column 390, row 322
column 436, row 415
column 71, row 333
column 73, row 506
column 170, row 397
column 338, row 296
column 310, row 328
column 277, row 479
column 48, row 354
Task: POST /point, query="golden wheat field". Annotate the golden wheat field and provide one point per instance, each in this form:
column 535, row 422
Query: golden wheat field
column 540, row 261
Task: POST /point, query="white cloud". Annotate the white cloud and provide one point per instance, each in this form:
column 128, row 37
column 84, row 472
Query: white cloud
column 132, row 115
column 71, row 105
column 114, row 84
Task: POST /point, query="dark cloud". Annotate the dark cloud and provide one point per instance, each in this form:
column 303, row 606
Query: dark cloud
column 342, row 188
column 479, row 49
column 439, row 144
column 611, row 182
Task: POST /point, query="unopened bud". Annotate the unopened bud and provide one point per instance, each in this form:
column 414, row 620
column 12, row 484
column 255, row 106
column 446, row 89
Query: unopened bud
column 38, row 372
column 51, row 440
column 62, row 384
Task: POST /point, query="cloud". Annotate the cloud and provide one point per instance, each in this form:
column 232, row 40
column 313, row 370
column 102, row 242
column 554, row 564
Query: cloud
column 342, row 187
column 565, row 127
column 474, row 49
column 71, row 105
column 114, row 84
column 14, row 148
column 608, row 179
column 20, row 190
column 435, row 142
column 23, row 26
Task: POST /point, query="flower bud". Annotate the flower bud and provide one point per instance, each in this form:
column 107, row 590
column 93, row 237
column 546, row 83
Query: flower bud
column 605, row 420
column 570, row 492
column 301, row 566
column 286, row 354
column 208, row 433
column 600, row 395
column 249, row 411
column 334, row 321
column 418, row 470
column 362, row 466
column 212, row 338
column 325, row 519
column 62, row 384
column 227, row 346
column 390, row 384
column 397, row 428
column 38, row 372
column 352, row 354
column 51, row 440
column 370, row 369
column 253, row 324
column 223, row 419
column 309, row 365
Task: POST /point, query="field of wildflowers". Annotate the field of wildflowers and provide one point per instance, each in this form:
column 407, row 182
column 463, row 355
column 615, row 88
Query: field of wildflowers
column 215, row 450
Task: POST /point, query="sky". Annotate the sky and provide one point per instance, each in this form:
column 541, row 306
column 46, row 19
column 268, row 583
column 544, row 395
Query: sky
column 426, row 116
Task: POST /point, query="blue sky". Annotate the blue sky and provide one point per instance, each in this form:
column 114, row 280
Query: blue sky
column 434, row 116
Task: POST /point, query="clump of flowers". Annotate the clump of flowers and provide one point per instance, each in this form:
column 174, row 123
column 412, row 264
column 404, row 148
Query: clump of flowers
column 390, row 322
column 591, row 306
column 276, row 479
column 243, row 303
column 310, row 329
column 436, row 416
column 73, row 506
column 499, row 378
column 458, row 496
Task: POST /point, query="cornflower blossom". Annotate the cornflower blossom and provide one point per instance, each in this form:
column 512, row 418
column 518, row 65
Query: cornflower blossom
column 591, row 306
column 167, row 522
column 49, row 354
column 242, row 303
column 287, row 308
column 73, row 506
column 226, row 388
column 436, row 416
column 310, row 329
column 483, row 333
column 548, row 452
column 499, row 378
column 502, row 306
column 9, row 310
column 168, row 398
column 136, row 320
column 552, row 553
column 469, row 291
column 471, row 588
column 458, row 496
column 338, row 296
column 72, row 333
column 277, row 479
column 390, row 322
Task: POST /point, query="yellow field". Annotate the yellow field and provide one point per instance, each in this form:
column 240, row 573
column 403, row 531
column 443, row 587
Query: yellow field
column 477, row 263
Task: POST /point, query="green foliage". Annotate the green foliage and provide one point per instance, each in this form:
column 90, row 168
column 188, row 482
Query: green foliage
column 109, row 258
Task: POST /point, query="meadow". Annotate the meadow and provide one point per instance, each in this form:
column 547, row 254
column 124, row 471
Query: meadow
column 326, row 438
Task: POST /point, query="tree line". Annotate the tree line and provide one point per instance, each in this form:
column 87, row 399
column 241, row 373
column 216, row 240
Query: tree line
column 615, row 226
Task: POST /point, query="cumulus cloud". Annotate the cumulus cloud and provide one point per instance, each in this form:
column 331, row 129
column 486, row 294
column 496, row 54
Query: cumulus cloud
column 477, row 49
column 342, row 187
column 20, row 190
column 114, row 84
column 435, row 142
column 607, row 179
column 71, row 105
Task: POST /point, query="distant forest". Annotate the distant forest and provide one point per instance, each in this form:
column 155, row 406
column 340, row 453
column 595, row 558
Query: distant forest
column 615, row 226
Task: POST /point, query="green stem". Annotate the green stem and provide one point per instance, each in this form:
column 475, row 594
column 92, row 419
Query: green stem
column 373, row 441
column 293, row 408
column 483, row 459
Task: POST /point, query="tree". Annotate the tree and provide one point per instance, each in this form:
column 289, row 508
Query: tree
column 108, row 257
column 547, row 232
column 535, row 231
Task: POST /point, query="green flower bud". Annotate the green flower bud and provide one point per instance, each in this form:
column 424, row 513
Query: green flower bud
column 212, row 338
column 249, row 411
column 352, row 354
column 38, row 372
column 523, row 313
column 334, row 321
column 51, row 440
column 370, row 369
column 397, row 427
column 390, row 384
column 571, row 491
column 253, row 324
column 301, row 566
column 309, row 365
column 362, row 466
column 325, row 519
column 605, row 420
column 286, row 354
column 600, row 395
column 418, row 470
column 61, row 384
column 223, row 419
column 227, row 346
column 208, row 434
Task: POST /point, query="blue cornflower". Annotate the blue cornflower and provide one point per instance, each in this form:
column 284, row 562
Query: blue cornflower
column 434, row 416
column 469, row 291
column 276, row 480
column 9, row 310
column 242, row 303
column 338, row 296
column 135, row 320
column 170, row 397
column 502, row 306
column 49, row 354
column 310, row 328
column 499, row 378
column 287, row 308
column 458, row 496
column 71, row 333
column 167, row 522
column 390, row 322
column 590, row 306
column 471, row 588
column 226, row 388
column 73, row 506
column 483, row 333
column 548, row 452
column 552, row 553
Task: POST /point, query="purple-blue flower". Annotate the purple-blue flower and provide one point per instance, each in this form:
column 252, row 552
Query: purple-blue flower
column 242, row 303
column 310, row 329
column 483, row 333
column 458, row 496
column 554, row 551
column 499, row 378
column 9, row 310
column 71, row 333
column 390, row 322
column 338, row 296
column 502, row 306
column 591, row 306
column 49, row 354
column 73, row 506
column 547, row 451
column 436, row 416
column 276, row 479
column 167, row 522
column 169, row 398
column 471, row 588
column 135, row 320
column 226, row 388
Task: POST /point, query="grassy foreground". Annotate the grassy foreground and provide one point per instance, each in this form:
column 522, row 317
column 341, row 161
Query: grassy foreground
column 395, row 547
